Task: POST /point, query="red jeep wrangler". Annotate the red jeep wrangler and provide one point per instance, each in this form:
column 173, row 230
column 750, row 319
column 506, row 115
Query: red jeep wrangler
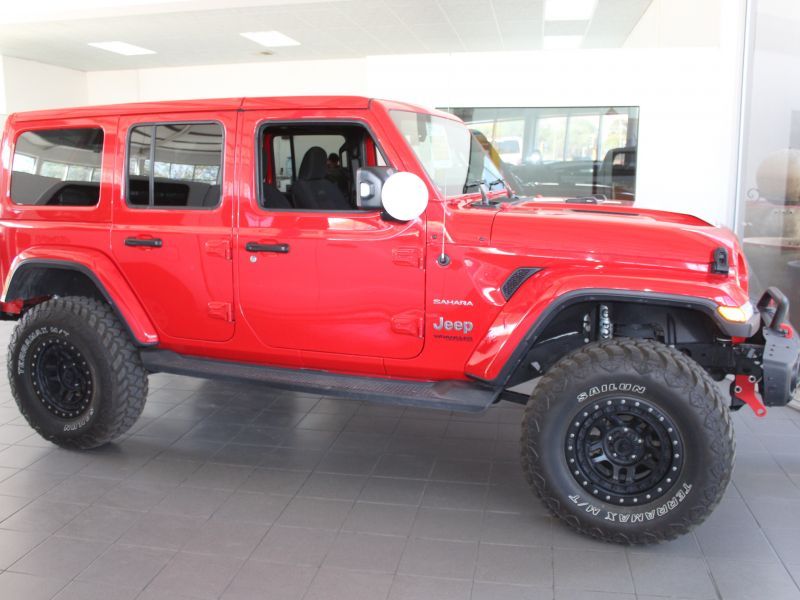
column 370, row 249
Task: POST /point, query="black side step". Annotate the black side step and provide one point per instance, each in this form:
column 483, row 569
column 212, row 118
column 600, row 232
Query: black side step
column 462, row 396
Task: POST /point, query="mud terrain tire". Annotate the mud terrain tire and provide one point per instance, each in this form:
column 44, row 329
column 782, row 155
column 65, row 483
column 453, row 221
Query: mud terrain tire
column 628, row 441
column 75, row 374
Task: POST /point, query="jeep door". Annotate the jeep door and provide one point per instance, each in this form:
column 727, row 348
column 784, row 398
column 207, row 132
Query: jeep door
column 316, row 273
column 172, row 224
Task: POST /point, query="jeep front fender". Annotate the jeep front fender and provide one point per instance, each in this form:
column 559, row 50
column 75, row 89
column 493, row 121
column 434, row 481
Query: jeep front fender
column 534, row 305
column 95, row 265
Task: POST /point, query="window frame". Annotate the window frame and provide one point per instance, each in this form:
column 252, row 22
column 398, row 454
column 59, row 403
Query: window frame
column 259, row 170
column 20, row 132
column 151, row 155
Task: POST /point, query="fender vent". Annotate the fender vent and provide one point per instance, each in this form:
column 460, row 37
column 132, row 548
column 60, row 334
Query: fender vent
column 516, row 279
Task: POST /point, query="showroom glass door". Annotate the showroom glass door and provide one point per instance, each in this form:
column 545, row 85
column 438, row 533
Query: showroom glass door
column 770, row 170
column 324, row 278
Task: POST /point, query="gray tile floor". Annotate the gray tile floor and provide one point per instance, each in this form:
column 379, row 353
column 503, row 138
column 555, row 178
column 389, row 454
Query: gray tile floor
column 234, row 492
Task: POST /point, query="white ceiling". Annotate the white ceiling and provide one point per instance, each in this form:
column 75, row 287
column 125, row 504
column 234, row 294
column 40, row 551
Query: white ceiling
column 194, row 32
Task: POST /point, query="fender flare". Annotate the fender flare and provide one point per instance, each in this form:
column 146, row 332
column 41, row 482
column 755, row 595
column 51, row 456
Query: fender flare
column 501, row 370
column 100, row 270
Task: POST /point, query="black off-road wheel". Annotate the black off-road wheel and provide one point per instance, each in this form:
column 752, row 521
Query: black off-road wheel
column 75, row 374
column 628, row 441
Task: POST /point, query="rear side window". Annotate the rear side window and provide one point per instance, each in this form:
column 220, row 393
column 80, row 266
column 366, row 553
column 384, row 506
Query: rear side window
column 175, row 165
column 57, row 167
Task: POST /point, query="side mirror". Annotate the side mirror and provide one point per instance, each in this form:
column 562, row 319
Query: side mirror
column 369, row 183
column 404, row 196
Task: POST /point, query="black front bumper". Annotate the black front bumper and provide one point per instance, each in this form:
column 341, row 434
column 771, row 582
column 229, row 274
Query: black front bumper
column 781, row 357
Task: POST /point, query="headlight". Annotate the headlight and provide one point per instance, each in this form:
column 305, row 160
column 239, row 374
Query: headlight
column 737, row 314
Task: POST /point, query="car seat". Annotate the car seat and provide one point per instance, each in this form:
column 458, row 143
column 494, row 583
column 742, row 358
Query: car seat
column 312, row 191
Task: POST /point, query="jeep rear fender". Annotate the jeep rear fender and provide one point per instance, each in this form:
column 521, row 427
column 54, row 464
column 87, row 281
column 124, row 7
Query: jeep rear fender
column 24, row 283
column 525, row 316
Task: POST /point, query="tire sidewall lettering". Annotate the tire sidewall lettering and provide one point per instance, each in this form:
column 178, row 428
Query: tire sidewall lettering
column 24, row 350
column 24, row 376
column 621, row 516
column 653, row 378
column 80, row 423
column 91, row 338
column 604, row 388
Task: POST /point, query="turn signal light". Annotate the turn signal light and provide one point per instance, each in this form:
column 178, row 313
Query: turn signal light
column 736, row 314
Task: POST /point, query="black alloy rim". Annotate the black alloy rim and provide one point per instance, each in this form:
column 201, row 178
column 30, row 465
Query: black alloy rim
column 62, row 379
column 624, row 451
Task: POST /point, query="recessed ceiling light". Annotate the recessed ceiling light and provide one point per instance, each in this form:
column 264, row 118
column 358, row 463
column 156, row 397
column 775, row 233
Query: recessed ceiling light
column 121, row 48
column 561, row 42
column 270, row 39
column 569, row 10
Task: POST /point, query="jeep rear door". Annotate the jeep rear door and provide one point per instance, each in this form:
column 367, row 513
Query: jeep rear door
column 172, row 224
column 324, row 281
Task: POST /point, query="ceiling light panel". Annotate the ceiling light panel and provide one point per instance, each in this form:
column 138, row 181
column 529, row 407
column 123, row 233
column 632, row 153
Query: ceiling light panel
column 121, row 48
column 569, row 10
column 270, row 39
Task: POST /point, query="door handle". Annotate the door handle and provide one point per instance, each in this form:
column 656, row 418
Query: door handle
column 144, row 242
column 256, row 247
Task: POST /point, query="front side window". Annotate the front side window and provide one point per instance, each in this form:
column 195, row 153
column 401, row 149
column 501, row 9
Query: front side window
column 55, row 167
column 314, row 166
column 186, row 169
column 451, row 155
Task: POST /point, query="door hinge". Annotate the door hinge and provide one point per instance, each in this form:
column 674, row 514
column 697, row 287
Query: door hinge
column 221, row 310
column 409, row 323
column 411, row 257
column 221, row 248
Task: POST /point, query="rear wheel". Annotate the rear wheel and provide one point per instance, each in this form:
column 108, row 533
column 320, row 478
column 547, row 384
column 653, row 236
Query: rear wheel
column 75, row 374
column 628, row 441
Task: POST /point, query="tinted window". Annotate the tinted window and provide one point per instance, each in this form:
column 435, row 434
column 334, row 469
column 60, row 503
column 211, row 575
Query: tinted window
column 57, row 167
column 186, row 169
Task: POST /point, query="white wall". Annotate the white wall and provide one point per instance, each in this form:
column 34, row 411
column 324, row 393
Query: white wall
column 220, row 81
column 687, row 100
column 30, row 85
column 687, row 124
column 33, row 85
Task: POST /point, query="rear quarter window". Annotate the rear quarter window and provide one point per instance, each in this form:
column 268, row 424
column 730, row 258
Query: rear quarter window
column 57, row 167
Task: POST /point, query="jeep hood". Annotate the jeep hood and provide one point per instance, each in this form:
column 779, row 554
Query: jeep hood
column 590, row 232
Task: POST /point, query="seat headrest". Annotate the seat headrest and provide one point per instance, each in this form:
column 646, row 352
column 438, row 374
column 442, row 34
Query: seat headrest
column 314, row 165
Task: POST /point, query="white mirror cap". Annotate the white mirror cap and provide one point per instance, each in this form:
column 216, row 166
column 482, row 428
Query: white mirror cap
column 404, row 196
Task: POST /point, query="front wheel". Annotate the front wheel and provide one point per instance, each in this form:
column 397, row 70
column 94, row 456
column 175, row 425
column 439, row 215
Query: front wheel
column 75, row 374
column 628, row 441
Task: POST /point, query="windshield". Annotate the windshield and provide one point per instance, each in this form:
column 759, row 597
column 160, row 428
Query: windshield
column 450, row 154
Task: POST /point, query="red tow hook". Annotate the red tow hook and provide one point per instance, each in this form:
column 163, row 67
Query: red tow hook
column 744, row 388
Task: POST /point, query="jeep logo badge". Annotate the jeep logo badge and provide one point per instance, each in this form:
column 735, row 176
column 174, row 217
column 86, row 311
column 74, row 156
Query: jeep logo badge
column 463, row 326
